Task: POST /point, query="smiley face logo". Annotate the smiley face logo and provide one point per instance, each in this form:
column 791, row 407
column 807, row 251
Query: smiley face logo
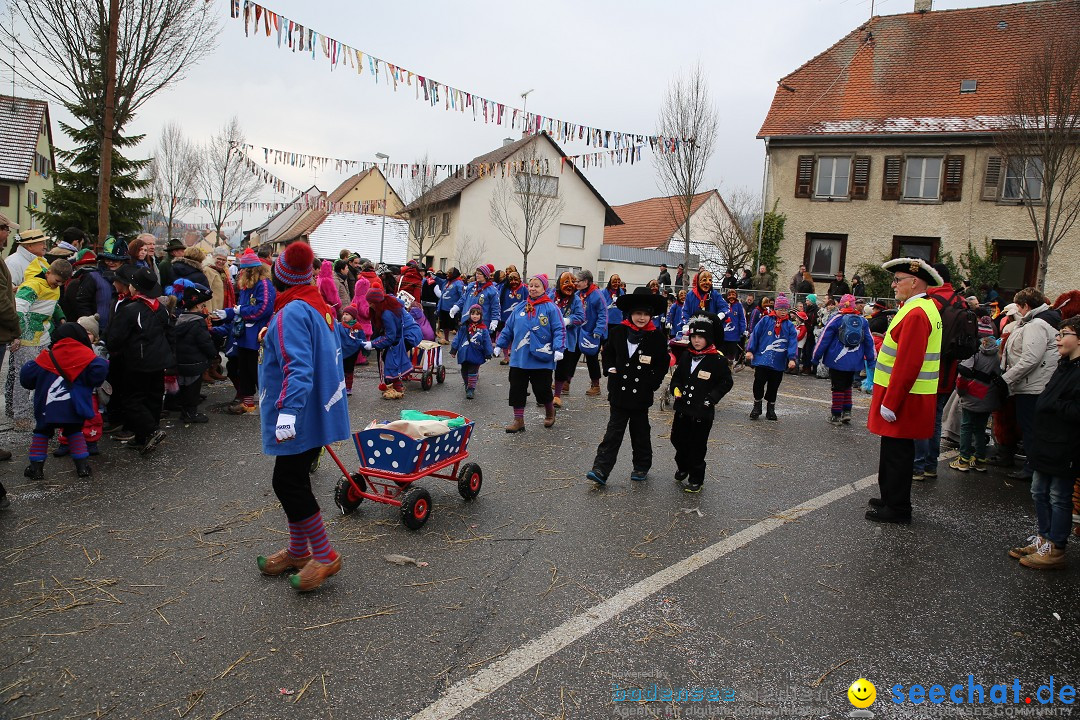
column 862, row 693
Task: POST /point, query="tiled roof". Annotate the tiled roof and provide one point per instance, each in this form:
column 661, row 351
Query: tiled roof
column 361, row 234
column 20, row 126
column 650, row 223
column 453, row 186
column 303, row 225
column 344, row 188
column 902, row 73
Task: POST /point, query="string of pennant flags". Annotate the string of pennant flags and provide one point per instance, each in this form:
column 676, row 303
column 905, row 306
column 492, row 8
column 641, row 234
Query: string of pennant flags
column 297, row 38
column 365, row 207
column 186, row 226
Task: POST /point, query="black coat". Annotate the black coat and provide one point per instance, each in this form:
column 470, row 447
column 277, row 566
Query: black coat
column 194, row 348
column 635, row 378
column 839, row 288
column 186, row 268
column 701, row 390
column 143, row 337
column 1057, row 423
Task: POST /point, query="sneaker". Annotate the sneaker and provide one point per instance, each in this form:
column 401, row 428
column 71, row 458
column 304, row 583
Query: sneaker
column 469, row 393
column 930, row 473
column 195, row 417
column 681, row 475
column 639, row 475
column 1048, row 557
column 834, row 419
column 596, row 477
column 978, row 464
column 1034, row 542
column 124, row 436
column 314, row 573
column 962, row 463
column 692, row 488
column 949, row 444
column 918, row 475
column 846, row 417
column 152, row 442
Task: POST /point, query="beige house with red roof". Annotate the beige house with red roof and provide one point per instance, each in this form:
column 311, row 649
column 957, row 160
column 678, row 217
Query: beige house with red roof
column 26, row 158
column 884, row 143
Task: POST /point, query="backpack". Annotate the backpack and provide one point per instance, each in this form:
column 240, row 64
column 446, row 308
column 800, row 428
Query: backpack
column 850, row 331
column 959, row 328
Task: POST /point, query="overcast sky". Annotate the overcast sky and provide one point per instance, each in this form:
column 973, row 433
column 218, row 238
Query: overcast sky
column 603, row 63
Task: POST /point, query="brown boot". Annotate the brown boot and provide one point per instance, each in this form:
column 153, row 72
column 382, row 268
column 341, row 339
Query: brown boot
column 314, row 574
column 281, row 561
column 556, row 401
column 215, row 373
column 1048, row 557
column 517, row 426
column 207, row 380
column 594, row 389
column 549, row 418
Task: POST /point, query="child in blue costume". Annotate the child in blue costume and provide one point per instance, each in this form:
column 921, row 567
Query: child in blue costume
column 388, row 320
column 472, row 347
column 302, row 407
column 734, row 327
column 535, row 339
column 565, row 297
column 594, row 330
column 352, row 338
column 773, row 345
column 252, row 312
column 63, row 377
column 484, row 293
column 452, row 294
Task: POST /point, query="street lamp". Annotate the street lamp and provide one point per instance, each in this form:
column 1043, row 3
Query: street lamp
column 386, row 183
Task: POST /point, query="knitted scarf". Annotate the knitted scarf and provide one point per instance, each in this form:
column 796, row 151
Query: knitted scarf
column 305, row 293
column 531, row 304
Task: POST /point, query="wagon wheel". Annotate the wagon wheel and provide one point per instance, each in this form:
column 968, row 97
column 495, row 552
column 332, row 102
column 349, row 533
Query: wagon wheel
column 345, row 495
column 469, row 481
column 426, row 381
column 440, row 374
column 415, row 508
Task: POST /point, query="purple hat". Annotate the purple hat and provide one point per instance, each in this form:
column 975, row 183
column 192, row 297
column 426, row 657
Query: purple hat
column 476, row 306
column 847, row 301
column 782, row 303
column 543, row 278
column 293, row 266
column 986, row 326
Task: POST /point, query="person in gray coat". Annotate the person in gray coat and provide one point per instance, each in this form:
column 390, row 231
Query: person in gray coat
column 979, row 389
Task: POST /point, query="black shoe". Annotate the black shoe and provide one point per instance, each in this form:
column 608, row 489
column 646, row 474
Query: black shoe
column 35, row 470
column 195, row 417
column 875, row 502
column 596, row 477
column 82, row 467
column 846, row 417
column 692, row 488
column 887, row 515
column 681, row 475
column 124, row 436
column 5, row 454
column 4, row 501
column 152, row 442
column 930, row 473
column 202, row 396
column 639, row 475
column 770, row 412
column 756, row 412
column 1021, row 474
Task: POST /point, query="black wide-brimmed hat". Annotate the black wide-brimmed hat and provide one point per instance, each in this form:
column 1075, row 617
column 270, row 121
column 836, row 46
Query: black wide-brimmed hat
column 916, row 267
column 642, row 299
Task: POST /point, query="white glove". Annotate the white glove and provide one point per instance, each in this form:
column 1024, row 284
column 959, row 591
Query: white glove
column 497, row 352
column 887, row 414
column 236, row 309
column 611, row 371
column 494, row 325
column 565, row 320
column 220, row 314
column 721, row 315
column 367, row 345
column 286, row 427
column 558, row 355
column 686, row 329
column 454, row 311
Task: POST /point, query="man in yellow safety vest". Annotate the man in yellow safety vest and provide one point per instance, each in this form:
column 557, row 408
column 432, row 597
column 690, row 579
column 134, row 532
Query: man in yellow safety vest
column 905, row 386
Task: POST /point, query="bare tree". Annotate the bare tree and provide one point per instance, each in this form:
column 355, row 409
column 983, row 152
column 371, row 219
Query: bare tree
column 62, row 51
column 689, row 117
column 422, row 210
column 225, row 181
column 173, row 172
column 728, row 229
column 470, row 251
column 525, row 203
column 1041, row 144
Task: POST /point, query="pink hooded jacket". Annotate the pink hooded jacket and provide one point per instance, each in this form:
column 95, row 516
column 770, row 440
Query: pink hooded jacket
column 360, row 291
column 328, row 287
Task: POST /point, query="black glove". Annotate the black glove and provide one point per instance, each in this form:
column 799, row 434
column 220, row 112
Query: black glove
column 1002, row 386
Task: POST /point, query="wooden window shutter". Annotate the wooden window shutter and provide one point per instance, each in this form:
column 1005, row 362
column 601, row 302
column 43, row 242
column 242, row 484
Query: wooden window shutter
column 992, row 179
column 5, row 195
column 890, row 179
column 954, row 178
column 804, row 176
column 860, row 178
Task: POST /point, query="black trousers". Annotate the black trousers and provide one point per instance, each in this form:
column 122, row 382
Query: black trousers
column 142, row 403
column 564, row 369
column 520, row 379
column 468, row 369
column 348, row 364
column 731, row 350
column 292, row 484
column 117, row 377
column 766, row 383
column 244, row 371
column 841, row 379
column 640, row 439
column 188, row 397
column 895, row 464
column 690, row 436
column 593, row 363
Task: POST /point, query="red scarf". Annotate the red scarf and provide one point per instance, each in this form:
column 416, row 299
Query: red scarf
column 151, row 303
column 484, row 287
column 472, row 327
column 563, row 301
column 72, row 355
column 306, row 293
column 588, row 291
column 707, row 350
column 532, row 304
column 630, row 324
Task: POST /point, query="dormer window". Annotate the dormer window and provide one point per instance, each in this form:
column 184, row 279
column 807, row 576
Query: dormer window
column 968, row 86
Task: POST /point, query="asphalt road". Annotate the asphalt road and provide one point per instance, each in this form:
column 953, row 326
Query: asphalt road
column 136, row 595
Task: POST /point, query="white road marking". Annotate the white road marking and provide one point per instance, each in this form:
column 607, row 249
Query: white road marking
column 470, row 690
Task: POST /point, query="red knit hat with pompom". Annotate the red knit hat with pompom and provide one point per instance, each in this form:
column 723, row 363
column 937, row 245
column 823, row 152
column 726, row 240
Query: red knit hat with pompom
column 294, row 264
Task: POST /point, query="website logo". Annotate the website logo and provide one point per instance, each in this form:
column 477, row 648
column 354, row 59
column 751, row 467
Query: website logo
column 861, row 695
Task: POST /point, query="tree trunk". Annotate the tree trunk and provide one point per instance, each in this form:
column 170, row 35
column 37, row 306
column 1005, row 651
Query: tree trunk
column 686, row 244
column 105, row 179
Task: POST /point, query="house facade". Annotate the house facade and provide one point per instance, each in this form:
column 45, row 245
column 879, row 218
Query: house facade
column 458, row 211
column 27, row 162
column 884, row 144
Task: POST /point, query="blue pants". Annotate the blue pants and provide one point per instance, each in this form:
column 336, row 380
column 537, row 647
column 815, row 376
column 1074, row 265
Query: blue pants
column 973, row 434
column 927, row 451
column 1053, row 506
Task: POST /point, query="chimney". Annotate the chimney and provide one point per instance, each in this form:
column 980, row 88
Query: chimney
column 922, row 6
column 508, row 141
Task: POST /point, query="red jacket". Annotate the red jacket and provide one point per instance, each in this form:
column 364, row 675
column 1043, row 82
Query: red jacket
column 947, row 378
column 914, row 413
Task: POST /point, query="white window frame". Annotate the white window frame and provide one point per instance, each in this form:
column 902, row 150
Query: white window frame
column 1022, row 180
column 433, row 225
column 418, row 228
column 834, row 162
column 445, row 223
column 542, row 185
column 909, row 163
column 571, row 244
